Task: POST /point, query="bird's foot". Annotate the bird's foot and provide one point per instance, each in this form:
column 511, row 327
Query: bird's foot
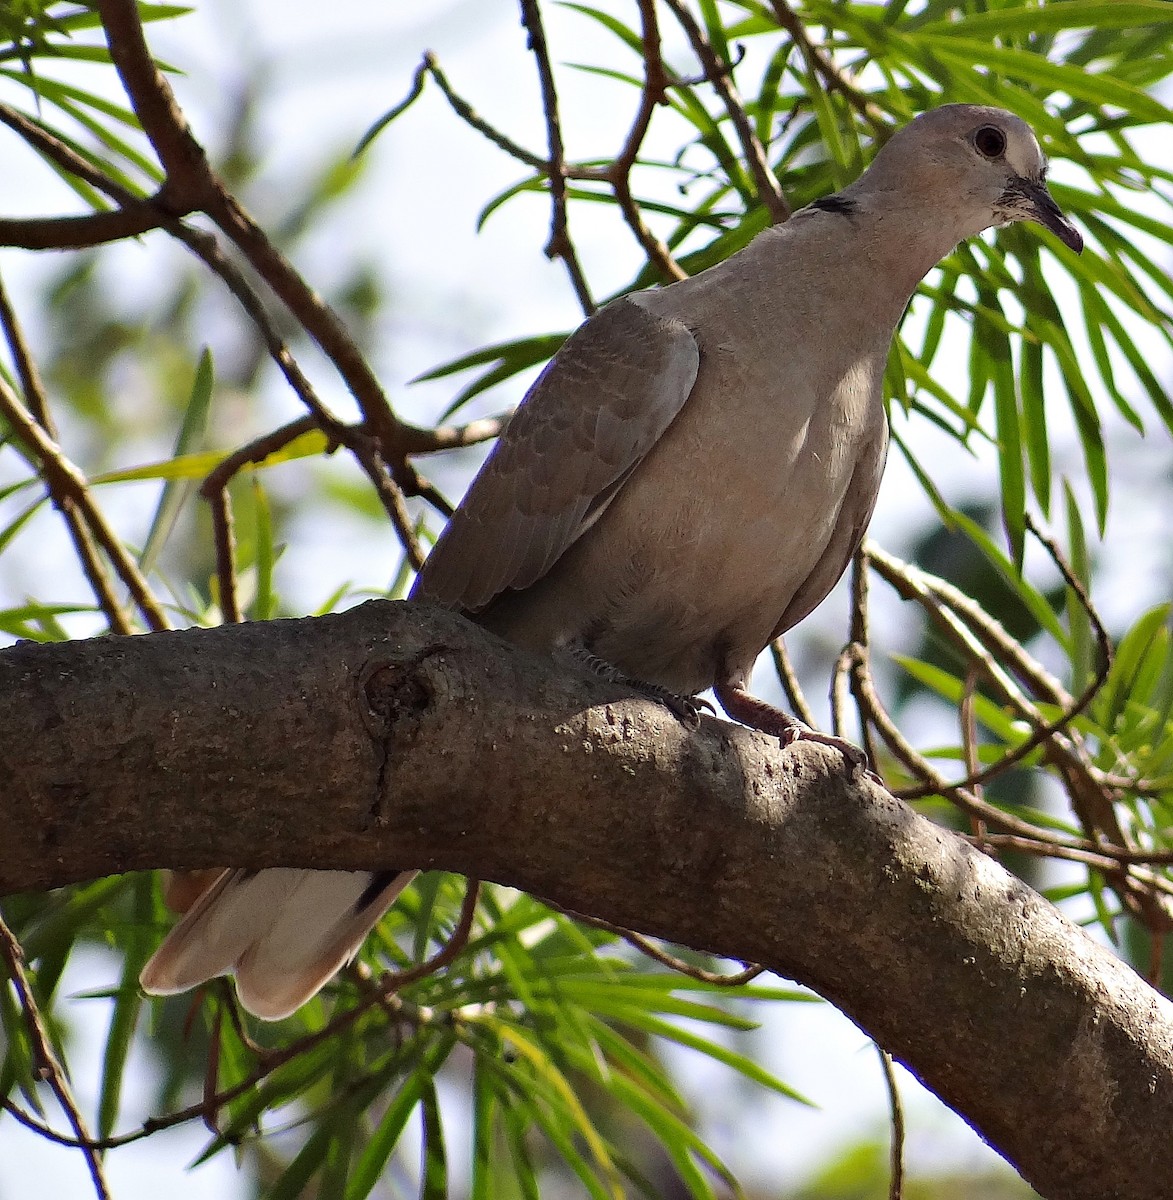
column 757, row 714
column 687, row 709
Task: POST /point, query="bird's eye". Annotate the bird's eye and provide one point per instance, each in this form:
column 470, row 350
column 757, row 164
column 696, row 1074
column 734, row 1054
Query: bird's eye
column 990, row 141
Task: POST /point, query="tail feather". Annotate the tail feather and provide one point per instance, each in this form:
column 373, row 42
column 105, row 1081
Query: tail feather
column 282, row 933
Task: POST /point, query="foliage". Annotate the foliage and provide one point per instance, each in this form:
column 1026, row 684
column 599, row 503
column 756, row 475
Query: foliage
column 551, row 1028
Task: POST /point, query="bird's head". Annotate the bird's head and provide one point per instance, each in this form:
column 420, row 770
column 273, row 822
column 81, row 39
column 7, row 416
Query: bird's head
column 984, row 163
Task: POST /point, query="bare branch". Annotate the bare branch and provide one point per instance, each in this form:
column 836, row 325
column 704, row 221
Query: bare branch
column 741, row 849
column 470, row 116
column 617, row 174
column 453, row 437
column 78, row 233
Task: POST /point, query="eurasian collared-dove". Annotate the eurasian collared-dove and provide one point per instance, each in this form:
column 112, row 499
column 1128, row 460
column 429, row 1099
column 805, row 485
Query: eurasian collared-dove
column 687, row 479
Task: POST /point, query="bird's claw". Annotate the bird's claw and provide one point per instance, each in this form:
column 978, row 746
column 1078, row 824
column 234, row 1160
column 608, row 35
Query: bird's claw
column 855, row 758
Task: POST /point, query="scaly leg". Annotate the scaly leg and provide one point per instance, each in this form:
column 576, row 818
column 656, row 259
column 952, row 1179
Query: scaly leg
column 686, row 708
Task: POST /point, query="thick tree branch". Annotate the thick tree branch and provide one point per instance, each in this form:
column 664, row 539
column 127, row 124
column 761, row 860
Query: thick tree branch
column 400, row 735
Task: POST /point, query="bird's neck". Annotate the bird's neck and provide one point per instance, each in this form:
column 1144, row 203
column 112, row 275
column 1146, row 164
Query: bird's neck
column 895, row 245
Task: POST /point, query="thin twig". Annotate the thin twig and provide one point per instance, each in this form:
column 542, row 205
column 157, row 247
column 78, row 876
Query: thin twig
column 971, row 630
column 928, row 590
column 787, row 677
column 720, row 75
column 969, row 744
column 56, row 151
column 357, row 439
column 1102, row 859
column 470, row 116
column 860, row 641
column 559, row 244
column 394, row 981
column 38, row 405
column 391, row 497
column 841, row 689
column 65, row 480
column 214, row 490
column 1136, row 889
column 653, row 92
column 208, row 250
column 191, row 177
column 432, row 495
column 921, row 768
column 82, row 232
column 896, row 1112
column 617, row 174
column 418, row 440
column 912, row 582
column 647, row 946
column 48, row 1068
column 833, row 79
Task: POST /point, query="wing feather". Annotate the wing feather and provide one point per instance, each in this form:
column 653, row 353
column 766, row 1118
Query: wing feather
column 600, row 405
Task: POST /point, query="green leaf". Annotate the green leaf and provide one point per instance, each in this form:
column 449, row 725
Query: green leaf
column 510, row 359
column 1138, row 653
column 379, row 1147
column 197, row 466
column 1009, row 430
column 435, row 1165
column 638, row 1018
column 564, row 1116
column 264, row 556
column 628, row 36
column 18, row 523
column 1035, row 70
column 128, row 1002
column 1078, row 620
column 1006, row 20
column 189, row 440
column 679, row 1141
column 996, row 720
column 483, row 1119
column 1034, row 600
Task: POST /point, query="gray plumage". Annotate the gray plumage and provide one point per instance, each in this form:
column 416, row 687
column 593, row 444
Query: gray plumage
column 687, row 480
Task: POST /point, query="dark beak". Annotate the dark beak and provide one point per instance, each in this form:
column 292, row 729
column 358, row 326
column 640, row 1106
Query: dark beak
column 1040, row 206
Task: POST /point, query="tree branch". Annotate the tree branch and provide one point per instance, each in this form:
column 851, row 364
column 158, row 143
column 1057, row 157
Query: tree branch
column 399, row 734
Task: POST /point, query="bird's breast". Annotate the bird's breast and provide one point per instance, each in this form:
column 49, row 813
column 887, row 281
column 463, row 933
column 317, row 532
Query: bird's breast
column 704, row 547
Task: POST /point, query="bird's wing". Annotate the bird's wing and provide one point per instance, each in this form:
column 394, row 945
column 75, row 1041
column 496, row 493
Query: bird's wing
column 594, row 413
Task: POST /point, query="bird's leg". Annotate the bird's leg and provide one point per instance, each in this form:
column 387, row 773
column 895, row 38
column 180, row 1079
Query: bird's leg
column 757, row 714
column 686, row 708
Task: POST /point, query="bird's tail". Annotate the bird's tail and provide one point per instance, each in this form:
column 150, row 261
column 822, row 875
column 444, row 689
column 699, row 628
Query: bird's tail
column 282, row 933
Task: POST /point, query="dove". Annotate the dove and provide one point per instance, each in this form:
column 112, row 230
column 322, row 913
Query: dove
column 686, row 480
